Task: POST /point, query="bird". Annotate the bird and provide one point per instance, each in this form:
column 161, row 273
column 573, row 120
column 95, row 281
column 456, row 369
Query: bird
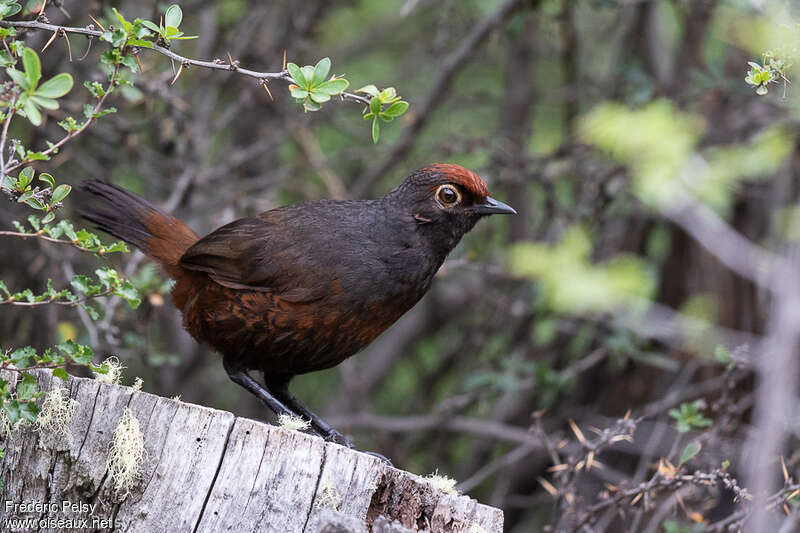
column 301, row 288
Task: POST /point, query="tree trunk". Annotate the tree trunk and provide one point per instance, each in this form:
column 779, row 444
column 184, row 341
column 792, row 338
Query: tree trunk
column 205, row 470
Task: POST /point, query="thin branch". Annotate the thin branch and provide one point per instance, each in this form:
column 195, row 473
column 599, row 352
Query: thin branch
column 42, row 236
column 4, row 135
column 454, row 424
column 726, row 244
column 68, row 303
column 184, row 62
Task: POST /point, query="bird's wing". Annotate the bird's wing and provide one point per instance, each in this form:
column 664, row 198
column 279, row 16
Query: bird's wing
column 259, row 253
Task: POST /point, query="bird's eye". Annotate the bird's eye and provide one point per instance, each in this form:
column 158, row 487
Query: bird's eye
column 448, row 195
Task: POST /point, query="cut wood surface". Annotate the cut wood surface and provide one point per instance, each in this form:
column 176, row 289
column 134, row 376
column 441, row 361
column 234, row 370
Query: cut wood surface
column 206, row 470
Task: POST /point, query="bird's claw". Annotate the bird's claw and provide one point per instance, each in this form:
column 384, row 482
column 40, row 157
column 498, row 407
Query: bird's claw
column 336, row 437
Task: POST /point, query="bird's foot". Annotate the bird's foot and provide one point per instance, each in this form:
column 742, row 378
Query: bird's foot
column 383, row 458
column 338, row 438
column 334, row 436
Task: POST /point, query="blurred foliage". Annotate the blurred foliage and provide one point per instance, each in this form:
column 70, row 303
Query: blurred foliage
column 570, row 283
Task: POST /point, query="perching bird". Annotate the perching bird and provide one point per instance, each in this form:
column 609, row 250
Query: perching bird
column 303, row 287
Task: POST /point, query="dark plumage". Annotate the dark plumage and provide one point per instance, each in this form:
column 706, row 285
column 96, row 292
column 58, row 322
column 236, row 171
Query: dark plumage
column 302, row 287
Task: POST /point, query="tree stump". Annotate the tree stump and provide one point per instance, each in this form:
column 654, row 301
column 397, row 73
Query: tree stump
column 205, row 470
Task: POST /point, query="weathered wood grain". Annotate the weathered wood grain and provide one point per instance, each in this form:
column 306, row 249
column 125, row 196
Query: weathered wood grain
column 207, row 471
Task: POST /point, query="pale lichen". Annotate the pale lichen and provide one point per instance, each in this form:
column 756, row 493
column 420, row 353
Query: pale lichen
column 443, row 483
column 114, row 373
column 5, row 424
column 56, row 415
column 126, row 454
column 292, row 422
column 329, row 498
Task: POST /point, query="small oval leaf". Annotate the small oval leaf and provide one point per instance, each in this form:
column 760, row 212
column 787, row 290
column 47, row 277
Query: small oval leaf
column 173, row 16
column 60, row 193
column 33, row 67
column 56, row 87
column 321, row 70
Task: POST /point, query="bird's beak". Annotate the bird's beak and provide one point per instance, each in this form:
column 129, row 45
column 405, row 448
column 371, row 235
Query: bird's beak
column 493, row 207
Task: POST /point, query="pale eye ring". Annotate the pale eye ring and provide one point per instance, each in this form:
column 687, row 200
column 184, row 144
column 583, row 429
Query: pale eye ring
column 448, row 195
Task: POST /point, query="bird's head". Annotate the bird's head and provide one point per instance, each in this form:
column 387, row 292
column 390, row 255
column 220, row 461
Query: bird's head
column 447, row 199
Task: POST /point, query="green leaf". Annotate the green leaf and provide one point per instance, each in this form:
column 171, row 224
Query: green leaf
column 78, row 353
column 376, row 130
column 142, row 43
column 320, row 97
column 68, row 230
column 21, row 357
column 34, row 222
column 24, row 197
column 388, row 94
column 375, row 105
column 297, row 75
column 311, row 105
column 151, row 26
column 300, row 94
column 56, row 87
column 28, row 411
column 34, row 203
column 308, row 74
column 93, row 314
column 49, row 217
column 47, row 178
column 108, row 277
column 8, row 9
column 321, row 70
column 722, row 354
column 33, row 67
column 60, row 193
column 332, row 87
column 60, row 373
column 173, row 16
column 118, row 246
column 762, row 90
column 24, row 178
column 47, row 103
column 4, row 289
column 690, row 451
column 369, row 89
column 32, row 112
column 84, row 284
column 28, row 387
column 129, row 293
column 12, row 411
column 396, row 109
column 19, row 78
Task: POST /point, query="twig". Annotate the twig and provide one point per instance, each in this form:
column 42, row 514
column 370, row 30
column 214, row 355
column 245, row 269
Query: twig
column 726, row 244
column 454, row 424
column 4, row 135
column 184, row 62
column 42, row 236
column 68, row 303
column 316, row 157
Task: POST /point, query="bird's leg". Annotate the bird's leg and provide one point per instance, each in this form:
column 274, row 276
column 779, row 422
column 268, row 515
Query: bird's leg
column 281, row 391
column 240, row 376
